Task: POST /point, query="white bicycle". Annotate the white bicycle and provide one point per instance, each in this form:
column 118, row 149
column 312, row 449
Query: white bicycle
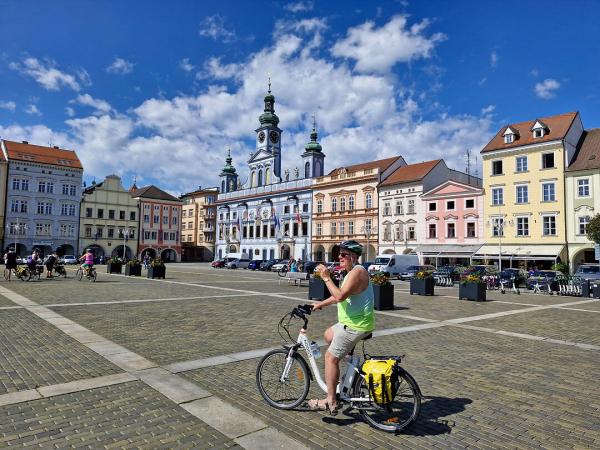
column 283, row 379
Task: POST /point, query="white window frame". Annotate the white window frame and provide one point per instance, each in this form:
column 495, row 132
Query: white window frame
column 497, row 196
column 526, row 196
column 549, row 183
column 526, row 218
column 549, row 216
column 582, row 221
column 524, row 166
column 586, row 186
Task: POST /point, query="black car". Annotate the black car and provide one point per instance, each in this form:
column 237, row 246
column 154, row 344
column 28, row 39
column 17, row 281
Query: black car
column 268, row 264
column 255, row 264
column 543, row 278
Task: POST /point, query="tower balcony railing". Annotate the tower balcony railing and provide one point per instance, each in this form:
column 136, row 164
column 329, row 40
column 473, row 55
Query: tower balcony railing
column 267, row 189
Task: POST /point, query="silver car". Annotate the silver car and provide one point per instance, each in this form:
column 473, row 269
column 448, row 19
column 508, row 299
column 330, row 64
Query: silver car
column 240, row 263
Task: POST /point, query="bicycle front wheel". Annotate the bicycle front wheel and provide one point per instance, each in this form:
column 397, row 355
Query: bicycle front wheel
column 396, row 416
column 282, row 272
column 6, row 274
column 79, row 274
column 287, row 394
column 25, row 275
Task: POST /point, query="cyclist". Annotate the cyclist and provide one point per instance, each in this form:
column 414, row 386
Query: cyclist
column 32, row 261
column 10, row 261
column 50, row 262
column 88, row 261
column 356, row 317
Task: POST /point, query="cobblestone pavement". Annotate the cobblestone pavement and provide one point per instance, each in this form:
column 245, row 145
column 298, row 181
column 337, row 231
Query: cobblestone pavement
column 88, row 370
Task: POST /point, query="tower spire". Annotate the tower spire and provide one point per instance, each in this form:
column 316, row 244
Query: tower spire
column 269, row 82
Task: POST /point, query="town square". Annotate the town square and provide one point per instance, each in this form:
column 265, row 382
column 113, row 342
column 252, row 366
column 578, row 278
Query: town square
column 299, row 224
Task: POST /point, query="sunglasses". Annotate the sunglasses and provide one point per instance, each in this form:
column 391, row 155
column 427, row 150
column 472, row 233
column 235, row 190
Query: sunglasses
column 344, row 255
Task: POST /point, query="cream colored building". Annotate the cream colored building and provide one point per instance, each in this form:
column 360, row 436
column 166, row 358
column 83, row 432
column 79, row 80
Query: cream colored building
column 198, row 225
column 582, row 183
column 109, row 219
column 3, row 195
column 345, row 206
column 523, row 177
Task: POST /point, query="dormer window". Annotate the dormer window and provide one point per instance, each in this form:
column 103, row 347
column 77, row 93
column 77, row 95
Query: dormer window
column 509, row 135
column 539, row 129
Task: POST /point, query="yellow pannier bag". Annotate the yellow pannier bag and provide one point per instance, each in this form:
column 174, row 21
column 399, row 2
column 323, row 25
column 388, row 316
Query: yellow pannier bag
column 380, row 375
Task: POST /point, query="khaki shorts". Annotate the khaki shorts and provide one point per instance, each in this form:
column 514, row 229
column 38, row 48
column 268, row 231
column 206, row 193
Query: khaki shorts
column 344, row 340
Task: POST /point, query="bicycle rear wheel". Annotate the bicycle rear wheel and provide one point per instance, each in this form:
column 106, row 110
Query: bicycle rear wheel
column 25, row 275
column 282, row 272
column 93, row 275
column 279, row 394
column 6, row 274
column 79, row 274
column 396, row 416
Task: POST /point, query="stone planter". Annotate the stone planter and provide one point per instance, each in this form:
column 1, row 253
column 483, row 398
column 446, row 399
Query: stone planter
column 133, row 271
column 422, row 287
column 156, row 272
column 113, row 267
column 317, row 289
column 472, row 291
column 383, row 296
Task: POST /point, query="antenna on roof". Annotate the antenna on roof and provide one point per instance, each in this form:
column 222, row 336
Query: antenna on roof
column 468, row 163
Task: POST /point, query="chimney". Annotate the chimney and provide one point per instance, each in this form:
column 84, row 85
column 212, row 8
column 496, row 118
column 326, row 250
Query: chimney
column 56, row 146
column 25, row 142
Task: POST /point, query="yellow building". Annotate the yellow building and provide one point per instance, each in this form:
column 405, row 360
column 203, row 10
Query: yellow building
column 523, row 177
column 3, row 195
column 345, row 206
column 198, row 225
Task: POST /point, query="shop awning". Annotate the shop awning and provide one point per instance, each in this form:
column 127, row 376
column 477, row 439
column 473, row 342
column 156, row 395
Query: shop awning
column 542, row 252
column 447, row 251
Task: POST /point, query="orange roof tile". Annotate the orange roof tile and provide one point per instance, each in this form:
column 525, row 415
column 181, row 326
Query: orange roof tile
column 24, row 151
column 381, row 164
column 410, row 172
column 588, row 152
column 558, row 126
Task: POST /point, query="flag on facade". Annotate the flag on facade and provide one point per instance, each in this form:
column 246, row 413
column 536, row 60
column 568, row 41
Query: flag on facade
column 239, row 223
column 298, row 217
column 275, row 219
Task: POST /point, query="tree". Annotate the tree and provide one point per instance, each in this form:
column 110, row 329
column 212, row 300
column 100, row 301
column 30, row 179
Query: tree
column 593, row 229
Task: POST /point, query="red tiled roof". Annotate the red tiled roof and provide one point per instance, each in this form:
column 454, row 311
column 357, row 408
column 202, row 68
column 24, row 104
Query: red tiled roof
column 558, row 126
column 588, row 152
column 410, row 172
column 381, row 164
column 21, row 151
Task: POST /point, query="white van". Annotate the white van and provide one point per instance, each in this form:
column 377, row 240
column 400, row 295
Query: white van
column 393, row 264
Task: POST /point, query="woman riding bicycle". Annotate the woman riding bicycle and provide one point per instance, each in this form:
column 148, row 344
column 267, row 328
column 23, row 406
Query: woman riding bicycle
column 88, row 260
column 356, row 317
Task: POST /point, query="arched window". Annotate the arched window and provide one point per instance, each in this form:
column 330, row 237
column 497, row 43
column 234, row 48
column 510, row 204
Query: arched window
column 253, row 179
column 351, row 203
column 319, row 206
column 343, row 204
column 307, row 170
column 317, row 168
column 368, row 201
column 333, row 204
column 267, row 176
column 259, row 177
column 223, row 186
column 231, row 186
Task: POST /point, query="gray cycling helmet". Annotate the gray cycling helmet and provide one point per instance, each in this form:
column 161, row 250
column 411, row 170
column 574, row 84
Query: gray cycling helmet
column 352, row 246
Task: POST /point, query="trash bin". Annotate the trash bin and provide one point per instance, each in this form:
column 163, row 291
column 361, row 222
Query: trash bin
column 595, row 289
column 586, row 288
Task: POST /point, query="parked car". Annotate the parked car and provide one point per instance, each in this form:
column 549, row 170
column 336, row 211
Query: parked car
column 519, row 274
column 279, row 265
column 220, row 263
column 255, row 264
column 268, row 264
column 588, row 272
column 239, row 263
column 69, row 259
column 393, row 264
column 411, row 271
column 543, row 278
column 448, row 271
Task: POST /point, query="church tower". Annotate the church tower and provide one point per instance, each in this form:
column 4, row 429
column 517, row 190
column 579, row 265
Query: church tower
column 265, row 162
column 313, row 157
column 228, row 175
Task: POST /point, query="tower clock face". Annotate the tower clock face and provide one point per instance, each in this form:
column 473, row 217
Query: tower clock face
column 274, row 137
column 261, row 137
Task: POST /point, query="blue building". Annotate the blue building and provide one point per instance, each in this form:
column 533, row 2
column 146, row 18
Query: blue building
column 270, row 216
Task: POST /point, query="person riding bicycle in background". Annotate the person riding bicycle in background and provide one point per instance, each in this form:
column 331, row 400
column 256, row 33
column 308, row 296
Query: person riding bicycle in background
column 356, row 317
column 10, row 261
column 33, row 260
column 88, row 260
column 50, row 262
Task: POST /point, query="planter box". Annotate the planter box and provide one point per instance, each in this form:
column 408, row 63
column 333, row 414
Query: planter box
column 156, row 272
column 317, row 289
column 422, row 287
column 133, row 271
column 472, row 291
column 383, row 296
column 113, row 267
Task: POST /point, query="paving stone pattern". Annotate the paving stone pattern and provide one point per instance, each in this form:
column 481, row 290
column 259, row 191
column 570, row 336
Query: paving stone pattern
column 200, row 328
column 130, row 415
column 4, row 301
column 34, row 353
column 481, row 391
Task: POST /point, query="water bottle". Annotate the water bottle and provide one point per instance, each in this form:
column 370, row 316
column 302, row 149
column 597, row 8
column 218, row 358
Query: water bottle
column 348, row 377
column 315, row 350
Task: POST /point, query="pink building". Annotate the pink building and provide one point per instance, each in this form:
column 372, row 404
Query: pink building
column 453, row 213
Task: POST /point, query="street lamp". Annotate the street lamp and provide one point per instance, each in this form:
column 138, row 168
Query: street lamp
column 367, row 230
column 125, row 232
column 16, row 229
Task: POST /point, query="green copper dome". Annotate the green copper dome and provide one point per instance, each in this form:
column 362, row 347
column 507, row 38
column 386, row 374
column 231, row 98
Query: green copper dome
column 228, row 169
column 269, row 116
column 313, row 145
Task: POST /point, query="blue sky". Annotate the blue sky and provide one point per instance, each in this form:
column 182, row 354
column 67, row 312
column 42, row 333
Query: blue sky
column 159, row 90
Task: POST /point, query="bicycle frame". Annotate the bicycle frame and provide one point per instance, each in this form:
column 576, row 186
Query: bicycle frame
column 347, row 379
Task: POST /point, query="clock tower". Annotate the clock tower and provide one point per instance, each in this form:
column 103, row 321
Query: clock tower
column 313, row 157
column 265, row 162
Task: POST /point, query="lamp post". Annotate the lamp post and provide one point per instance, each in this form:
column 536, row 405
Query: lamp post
column 368, row 229
column 16, row 229
column 125, row 232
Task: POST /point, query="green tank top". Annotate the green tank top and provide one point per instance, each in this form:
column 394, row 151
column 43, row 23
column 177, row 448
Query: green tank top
column 356, row 311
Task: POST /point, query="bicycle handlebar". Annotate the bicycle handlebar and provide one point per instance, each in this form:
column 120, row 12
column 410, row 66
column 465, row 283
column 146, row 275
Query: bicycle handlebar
column 301, row 311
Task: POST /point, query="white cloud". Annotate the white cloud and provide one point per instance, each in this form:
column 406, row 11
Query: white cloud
column 214, row 27
column 69, row 111
column 47, row 75
column 488, row 110
column 547, row 88
column 120, row 66
column 534, row 73
column 32, row 110
column 185, row 64
column 100, row 106
column 10, row 105
column 379, row 49
column 494, row 59
column 300, row 6
column 36, row 134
